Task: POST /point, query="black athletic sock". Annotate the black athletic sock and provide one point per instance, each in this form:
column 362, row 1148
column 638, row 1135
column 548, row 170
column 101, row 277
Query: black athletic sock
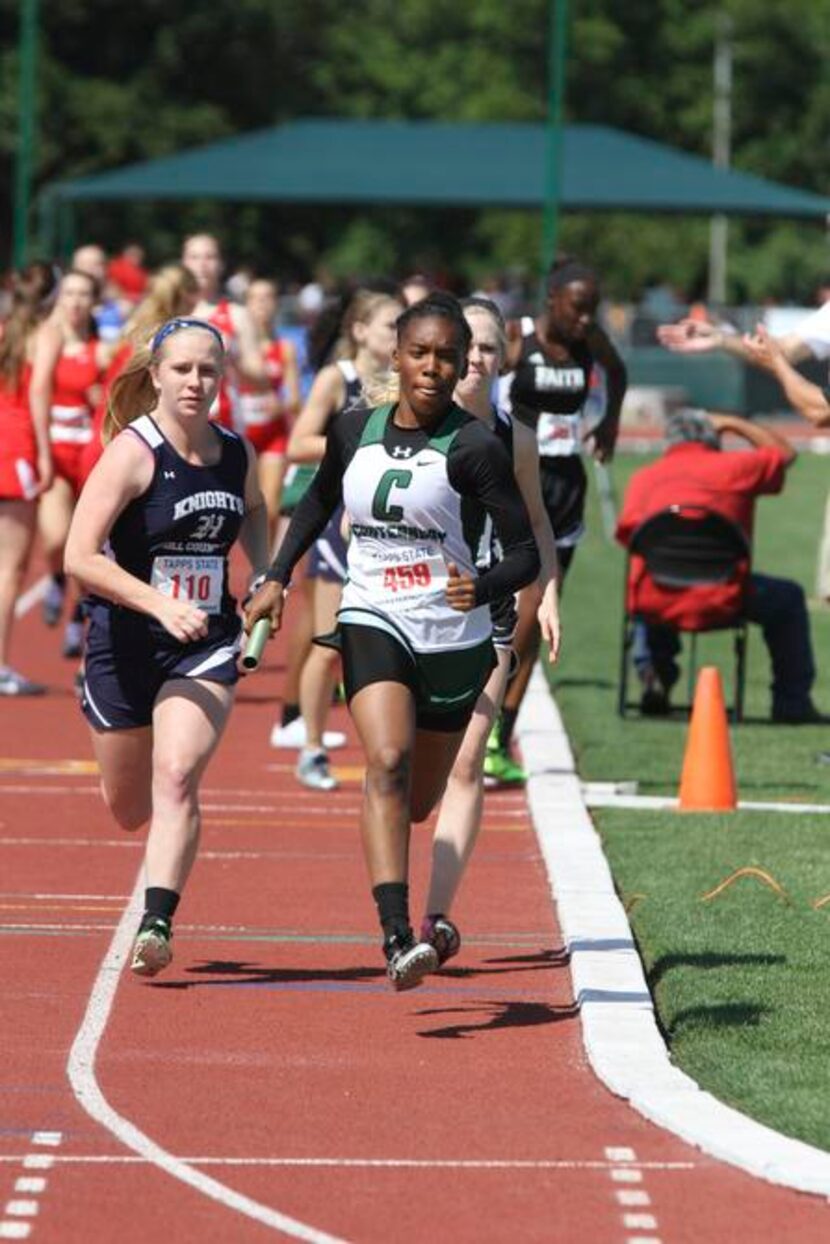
column 290, row 712
column 59, row 579
column 392, row 900
column 507, row 720
column 159, row 904
column 78, row 612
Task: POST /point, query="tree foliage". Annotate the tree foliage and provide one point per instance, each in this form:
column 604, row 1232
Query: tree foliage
column 121, row 82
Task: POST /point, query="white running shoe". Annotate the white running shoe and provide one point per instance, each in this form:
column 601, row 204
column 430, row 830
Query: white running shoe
column 12, row 683
column 294, row 736
column 313, row 769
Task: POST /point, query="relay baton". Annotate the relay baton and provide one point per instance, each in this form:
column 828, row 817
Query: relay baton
column 257, row 640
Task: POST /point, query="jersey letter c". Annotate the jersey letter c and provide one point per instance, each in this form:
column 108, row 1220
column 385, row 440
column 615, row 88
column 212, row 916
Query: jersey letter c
column 381, row 509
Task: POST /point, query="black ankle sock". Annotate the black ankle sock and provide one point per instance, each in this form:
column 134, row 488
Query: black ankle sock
column 59, row 579
column 290, row 712
column 392, row 900
column 507, row 720
column 159, row 904
column 78, row 612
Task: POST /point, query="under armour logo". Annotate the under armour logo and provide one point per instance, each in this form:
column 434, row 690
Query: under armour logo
column 169, row 474
column 401, row 451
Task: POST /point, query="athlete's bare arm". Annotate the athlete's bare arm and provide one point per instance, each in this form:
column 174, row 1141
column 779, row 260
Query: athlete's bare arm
column 47, row 352
column 290, row 378
column 123, row 473
column 248, row 356
column 604, row 435
column 526, row 467
column 253, row 534
column 307, row 442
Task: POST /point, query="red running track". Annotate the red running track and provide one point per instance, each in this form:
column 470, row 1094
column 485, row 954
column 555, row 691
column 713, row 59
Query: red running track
column 273, row 1058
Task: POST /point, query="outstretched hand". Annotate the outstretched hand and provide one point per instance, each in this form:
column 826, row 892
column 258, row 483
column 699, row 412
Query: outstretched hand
column 461, row 589
column 763, row 350
column 689, row 336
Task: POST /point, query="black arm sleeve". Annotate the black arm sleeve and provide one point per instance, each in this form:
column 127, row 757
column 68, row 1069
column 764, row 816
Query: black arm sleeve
column 322, row 496
column 479, row 466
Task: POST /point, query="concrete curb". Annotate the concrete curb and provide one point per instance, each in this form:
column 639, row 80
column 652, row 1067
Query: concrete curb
column 622, row 1040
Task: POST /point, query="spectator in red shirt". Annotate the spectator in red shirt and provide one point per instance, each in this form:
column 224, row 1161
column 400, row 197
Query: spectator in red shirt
column 695, row 471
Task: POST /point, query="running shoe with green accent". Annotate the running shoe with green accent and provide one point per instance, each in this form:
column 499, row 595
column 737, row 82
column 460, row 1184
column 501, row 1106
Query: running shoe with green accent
column 500, row 769
column 408, row 961
column 152, row 951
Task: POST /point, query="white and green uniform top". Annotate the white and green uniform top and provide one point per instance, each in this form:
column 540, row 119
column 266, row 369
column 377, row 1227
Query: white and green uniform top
column 416, row 500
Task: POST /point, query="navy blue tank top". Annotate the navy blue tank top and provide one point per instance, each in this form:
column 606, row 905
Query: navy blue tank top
column 177, row 534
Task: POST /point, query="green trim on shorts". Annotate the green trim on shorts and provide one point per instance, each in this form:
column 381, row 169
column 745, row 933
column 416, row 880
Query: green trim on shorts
column 447, row 681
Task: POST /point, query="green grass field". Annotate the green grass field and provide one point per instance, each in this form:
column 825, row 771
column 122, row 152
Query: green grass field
column 742, row 983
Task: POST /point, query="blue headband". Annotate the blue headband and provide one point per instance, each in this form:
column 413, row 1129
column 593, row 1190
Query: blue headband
column 174, row 326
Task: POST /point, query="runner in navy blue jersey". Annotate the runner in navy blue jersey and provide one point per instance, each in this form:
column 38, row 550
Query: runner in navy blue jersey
column 168, row 498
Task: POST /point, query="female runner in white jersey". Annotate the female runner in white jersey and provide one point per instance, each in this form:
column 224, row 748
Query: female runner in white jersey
column 459, row 818
column 169, row 496
column 418, row 479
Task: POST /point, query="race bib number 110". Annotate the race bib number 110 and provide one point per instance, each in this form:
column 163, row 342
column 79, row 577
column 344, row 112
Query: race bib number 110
column 195, row 579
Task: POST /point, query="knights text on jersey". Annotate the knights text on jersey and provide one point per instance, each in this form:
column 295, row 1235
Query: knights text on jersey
column 177, row 534
column 407, row 523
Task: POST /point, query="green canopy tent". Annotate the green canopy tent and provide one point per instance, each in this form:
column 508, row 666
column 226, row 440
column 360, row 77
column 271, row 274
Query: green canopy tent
column 444, row 164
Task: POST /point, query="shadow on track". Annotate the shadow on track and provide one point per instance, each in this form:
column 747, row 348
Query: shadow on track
column 498, row 1015
column 230, row 972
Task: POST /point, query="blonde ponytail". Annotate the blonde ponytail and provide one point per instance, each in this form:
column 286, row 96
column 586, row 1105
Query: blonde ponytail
column 133, row 394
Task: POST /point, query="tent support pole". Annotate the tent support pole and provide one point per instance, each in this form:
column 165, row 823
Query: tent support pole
column 557, row 44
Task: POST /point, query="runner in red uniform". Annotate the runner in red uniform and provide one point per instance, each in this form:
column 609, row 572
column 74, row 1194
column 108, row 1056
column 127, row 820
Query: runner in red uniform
column 268, row 405
column 25, row 458
column 202, row 255
column 68, row 367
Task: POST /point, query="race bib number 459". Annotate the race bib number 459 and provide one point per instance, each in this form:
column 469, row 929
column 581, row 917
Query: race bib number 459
column 195, row 579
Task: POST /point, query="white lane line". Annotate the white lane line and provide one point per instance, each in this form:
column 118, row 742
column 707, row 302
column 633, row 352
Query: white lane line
column 473, row 1164
column 134, row 844
column 39, row 1161
column 81, row 1072
column 620, row 1155
column 669, row 803
column 622, row 1040
column 94, row 898
column 31, row 597
column 52, row 1139
column 632, row 1196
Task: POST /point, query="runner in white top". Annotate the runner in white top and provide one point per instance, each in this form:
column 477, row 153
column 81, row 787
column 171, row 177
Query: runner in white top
column 417, row 479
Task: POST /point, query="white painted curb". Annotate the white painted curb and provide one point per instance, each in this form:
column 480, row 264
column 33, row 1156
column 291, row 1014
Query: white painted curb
column 619, row 1030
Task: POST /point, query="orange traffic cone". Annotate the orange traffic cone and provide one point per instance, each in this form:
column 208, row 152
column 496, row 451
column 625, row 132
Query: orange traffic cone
column 707, row 783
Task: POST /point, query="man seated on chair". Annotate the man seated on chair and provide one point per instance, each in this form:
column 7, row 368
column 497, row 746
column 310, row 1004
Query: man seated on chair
column 695, row 471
